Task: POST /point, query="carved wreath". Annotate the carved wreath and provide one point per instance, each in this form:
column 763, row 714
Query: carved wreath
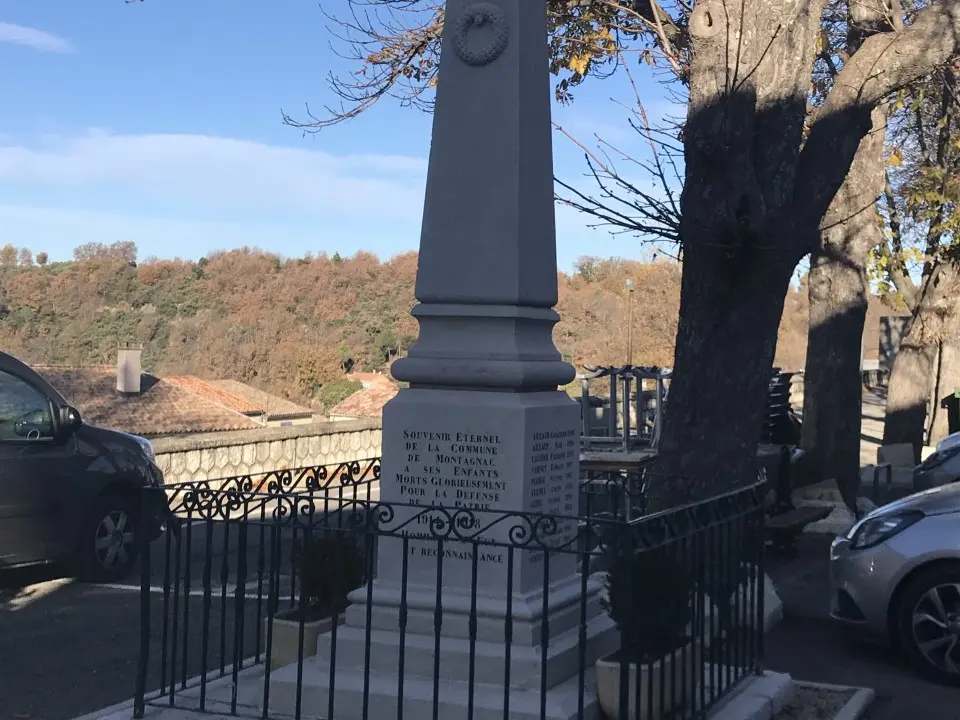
column 465, row 41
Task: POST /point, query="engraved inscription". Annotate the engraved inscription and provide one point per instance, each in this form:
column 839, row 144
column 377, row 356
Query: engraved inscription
column 459, row 470
column 554, row 466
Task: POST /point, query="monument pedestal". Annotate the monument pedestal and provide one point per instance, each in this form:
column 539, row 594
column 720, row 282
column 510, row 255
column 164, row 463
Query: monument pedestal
column 482, row 469
column 450, row 676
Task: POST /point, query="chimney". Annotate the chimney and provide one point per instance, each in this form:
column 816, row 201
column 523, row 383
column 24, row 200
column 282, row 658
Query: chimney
column 128, row 369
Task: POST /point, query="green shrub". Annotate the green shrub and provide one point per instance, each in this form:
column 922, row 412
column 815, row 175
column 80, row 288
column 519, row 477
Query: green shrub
column 649, row 597
column 329, row 566
column 334, row 392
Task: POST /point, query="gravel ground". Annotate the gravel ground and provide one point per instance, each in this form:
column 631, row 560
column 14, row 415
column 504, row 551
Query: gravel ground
column 814, row 704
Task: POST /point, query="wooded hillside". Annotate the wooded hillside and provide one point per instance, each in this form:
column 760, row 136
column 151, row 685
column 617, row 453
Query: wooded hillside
column 292, row 325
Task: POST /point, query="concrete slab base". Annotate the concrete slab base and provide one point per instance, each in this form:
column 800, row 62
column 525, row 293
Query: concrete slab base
column 772, row 605
column 758, row 698
column 376, row 696
column 219, row 693
column 855, row 708
column 840, row 519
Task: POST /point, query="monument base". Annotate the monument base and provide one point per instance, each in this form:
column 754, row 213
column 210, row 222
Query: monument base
column 368, row 661
column 562, row 702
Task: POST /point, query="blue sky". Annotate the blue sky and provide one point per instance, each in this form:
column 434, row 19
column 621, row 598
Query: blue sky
column 159, row 122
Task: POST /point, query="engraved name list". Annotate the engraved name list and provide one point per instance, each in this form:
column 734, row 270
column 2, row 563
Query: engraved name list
column 458, row 470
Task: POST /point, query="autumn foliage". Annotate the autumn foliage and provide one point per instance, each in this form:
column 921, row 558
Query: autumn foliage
column 293, row 326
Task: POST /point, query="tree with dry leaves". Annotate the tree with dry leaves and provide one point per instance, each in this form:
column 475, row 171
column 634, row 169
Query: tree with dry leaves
column 917, row 262
column 396, row 47
column 762, row 169
column 8, row 255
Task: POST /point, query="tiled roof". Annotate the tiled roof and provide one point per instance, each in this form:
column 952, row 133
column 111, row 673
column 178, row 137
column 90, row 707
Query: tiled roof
column 272, row 405
column 207, row 389
column 162, row 408
column 366, row 403
column 371, row 380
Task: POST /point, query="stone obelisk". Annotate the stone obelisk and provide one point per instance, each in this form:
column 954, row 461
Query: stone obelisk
column 482, row 427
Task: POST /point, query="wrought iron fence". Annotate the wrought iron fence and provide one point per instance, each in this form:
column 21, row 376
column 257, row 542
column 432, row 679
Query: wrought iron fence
column 472, row 613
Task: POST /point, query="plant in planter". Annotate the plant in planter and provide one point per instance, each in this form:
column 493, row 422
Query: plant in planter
column 649, row 597
column 328, row 567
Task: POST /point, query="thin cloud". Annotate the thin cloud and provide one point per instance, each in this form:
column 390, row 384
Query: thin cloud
column 33, row 38
column 221, row 173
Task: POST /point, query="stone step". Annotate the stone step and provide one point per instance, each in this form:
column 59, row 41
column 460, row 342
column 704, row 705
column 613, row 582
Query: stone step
column 382, row 689
column 526, row 662
column 564, row 612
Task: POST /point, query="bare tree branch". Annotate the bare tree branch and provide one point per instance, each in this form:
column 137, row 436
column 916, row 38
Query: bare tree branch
column 884, row 64
column 395, row 46
column 621, row 204
column 896, row 266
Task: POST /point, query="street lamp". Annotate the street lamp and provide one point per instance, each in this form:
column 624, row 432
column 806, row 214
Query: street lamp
column 629, row 321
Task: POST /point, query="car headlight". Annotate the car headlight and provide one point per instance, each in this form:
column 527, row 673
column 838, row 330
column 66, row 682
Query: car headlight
column 872, row 531
column 147, row 448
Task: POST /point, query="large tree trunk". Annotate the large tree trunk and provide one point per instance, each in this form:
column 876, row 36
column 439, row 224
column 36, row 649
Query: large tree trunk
column 832, row 399
column 725, row 347
column 946, row 381
column 741, row 142
column 908, row 393
column 913, row 379
column 838, row 287
column 752, row 205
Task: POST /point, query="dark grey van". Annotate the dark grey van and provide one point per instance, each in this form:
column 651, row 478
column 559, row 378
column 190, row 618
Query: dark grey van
column 70, row 492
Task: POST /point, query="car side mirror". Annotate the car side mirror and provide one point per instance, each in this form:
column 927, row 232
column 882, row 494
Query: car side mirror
column 70, row 419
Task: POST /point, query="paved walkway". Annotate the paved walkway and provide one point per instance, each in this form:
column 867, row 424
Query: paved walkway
column 814, row 650
column 810, row 647
column 871, row 427
column 217, row 701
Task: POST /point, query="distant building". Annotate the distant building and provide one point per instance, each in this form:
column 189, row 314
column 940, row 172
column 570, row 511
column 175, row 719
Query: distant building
column 140, row 403
column 277, row 411
column 365, row 403
column 126, row 398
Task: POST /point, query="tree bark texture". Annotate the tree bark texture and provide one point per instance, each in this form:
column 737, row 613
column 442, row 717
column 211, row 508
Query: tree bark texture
column 750, row 70
column 752, row 206
column 946, row 381
column 911, row 386
column 838, row 288
column 907, row 395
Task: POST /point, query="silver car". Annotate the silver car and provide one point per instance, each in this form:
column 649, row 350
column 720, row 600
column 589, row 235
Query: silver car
column 896, row 576
column 941, row 467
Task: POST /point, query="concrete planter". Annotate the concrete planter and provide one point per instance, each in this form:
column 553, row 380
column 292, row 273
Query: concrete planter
column 286, row 637
column 677, row 674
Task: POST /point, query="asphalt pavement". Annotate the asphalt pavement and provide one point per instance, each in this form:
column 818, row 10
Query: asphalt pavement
column 811, row 647
column 814, row 650
column 70, row 648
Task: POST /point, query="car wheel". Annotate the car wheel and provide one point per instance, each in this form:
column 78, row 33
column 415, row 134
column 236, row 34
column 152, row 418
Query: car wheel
column 928, row 620
column 109, row 544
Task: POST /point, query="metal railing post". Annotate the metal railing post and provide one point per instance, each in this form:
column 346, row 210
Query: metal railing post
column 140, row 689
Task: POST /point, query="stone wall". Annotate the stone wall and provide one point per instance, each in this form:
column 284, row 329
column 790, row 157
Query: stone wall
column 251, row 452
